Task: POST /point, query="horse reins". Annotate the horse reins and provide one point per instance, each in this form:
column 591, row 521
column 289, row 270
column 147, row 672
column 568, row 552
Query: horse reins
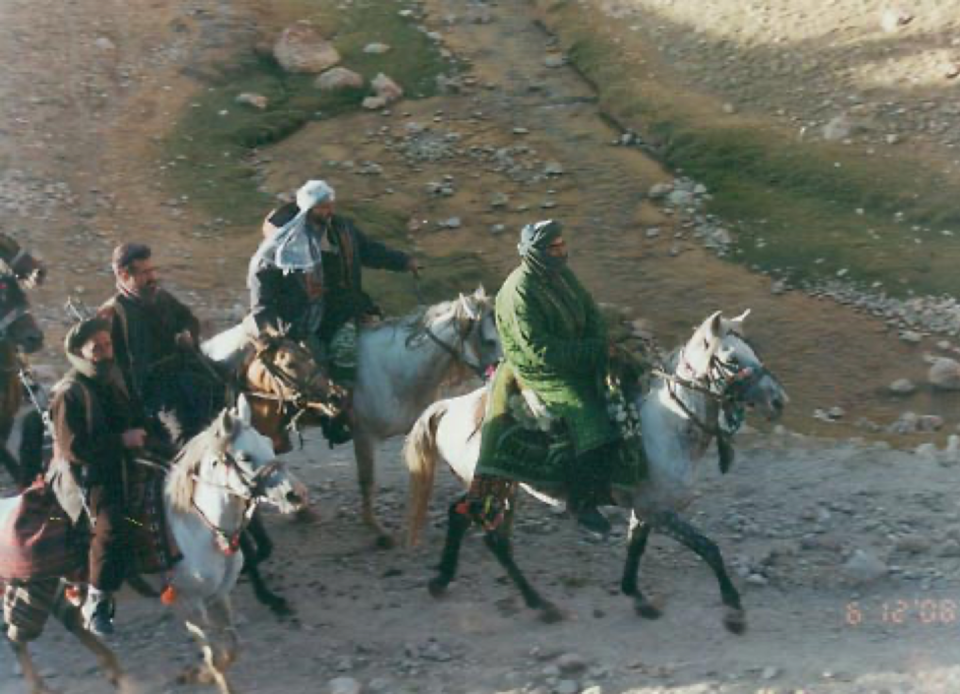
column 228, row 543
column 459, row 356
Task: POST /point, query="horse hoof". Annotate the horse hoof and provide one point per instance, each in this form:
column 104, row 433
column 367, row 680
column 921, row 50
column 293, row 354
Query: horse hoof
column 306, row 515
column 550, row 614
column 281, row 608
column 385, row 542
column 735, row 620
column 647, row 610
column 437, row 588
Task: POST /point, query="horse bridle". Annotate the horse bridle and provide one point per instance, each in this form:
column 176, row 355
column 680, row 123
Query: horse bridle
column 459, row 355
column 731, row 380
column 228, row 542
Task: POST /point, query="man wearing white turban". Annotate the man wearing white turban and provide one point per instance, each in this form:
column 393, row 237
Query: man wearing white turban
column 305, row 277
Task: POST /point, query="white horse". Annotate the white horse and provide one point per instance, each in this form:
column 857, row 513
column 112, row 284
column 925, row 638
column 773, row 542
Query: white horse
column 711, row 378
column 402, row 364
column 221, row 475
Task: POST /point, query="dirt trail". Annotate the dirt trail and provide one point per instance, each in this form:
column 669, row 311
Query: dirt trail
column 367, row 615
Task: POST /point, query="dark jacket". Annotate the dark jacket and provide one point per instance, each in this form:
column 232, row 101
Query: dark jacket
column 277, row 298
column 144, row 335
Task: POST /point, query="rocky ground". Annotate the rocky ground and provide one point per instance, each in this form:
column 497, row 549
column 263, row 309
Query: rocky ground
column 849, row 585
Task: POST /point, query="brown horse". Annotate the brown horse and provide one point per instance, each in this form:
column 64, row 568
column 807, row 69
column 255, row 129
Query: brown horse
column 18, row 332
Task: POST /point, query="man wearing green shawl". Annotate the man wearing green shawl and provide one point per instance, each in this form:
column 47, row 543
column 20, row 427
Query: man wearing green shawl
column 555, row 341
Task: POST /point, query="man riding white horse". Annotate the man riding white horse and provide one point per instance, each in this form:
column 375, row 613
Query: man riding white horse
column 305, row 278
column 555, row 344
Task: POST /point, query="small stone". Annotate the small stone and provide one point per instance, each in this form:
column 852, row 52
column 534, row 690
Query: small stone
column 892, row 139
column 770, row 672
column 386, row 88
column 344, row 685
column 652, row 232
column 250, row 99
column 913, row 544
column 892, row 19
column 554, row 61
column 757, row 580
column 571, row 663
column 497, row 228
column 338, row 78
column 566, row 687
column 105, row 44
column 374, row 103
column 376, row 48
column 729, row 108
column 553, row 168
column 836, row 413
column 863, row 568
column 499, row 200
column 911, row 336
column 902, row 386
column 659, row 190
column 451, row 223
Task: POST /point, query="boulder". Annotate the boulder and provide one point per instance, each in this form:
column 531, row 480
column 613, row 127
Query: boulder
column 374, row 103
column 376, row 48
column 944, row 374
column 338, row 78
column 386, row 88
column 301, row 48
column 250, row 99
column 863, row 568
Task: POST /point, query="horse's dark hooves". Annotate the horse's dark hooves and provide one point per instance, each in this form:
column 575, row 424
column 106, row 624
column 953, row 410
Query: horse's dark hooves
column 647, row 609
column 550, row 613
column 281, row 608
column 735, row 620
column 385, row 541
column 437, row 587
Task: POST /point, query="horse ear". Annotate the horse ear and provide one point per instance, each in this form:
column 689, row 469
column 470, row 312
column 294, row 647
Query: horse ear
column 713, row 325
column 737, row 323
column 244, row 411
column 225, row 425
column 480, row 294
column 468, row 308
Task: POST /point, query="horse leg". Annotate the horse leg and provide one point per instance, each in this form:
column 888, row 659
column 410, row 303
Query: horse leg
column 639, row 533
column 35, row 683
column 208, row 672
column 70, row 617
column 458, row 523
column 364, row 451
column 256, row 547
column 499, row 543
column 671, row 524
column 221, row 618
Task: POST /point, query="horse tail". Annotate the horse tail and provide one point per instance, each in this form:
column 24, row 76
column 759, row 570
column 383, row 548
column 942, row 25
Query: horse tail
column 421, row 453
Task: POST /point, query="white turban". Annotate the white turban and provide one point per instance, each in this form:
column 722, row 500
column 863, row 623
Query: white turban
column 290, row 249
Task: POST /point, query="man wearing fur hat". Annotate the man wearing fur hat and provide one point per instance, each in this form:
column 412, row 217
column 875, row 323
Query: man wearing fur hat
column 155, row 337
column 306, row 277
column 96, row 427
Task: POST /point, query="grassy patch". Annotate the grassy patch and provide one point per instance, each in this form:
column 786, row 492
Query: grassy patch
column 807, row 209
column 445, row 276
column 208, row 148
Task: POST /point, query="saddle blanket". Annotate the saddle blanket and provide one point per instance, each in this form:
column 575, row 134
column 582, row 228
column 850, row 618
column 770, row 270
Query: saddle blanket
column 37, row 539
column 523, row 444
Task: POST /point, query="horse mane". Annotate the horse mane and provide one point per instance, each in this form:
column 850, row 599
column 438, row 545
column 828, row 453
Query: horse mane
column 180, row 480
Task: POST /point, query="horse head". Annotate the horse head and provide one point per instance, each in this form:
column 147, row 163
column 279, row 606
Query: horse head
column 720, row 356
column 285, row 368
column 249, row 467
column 477, row 326
column 17, row 323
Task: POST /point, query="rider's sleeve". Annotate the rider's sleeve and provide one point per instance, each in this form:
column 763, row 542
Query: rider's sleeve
column 264, row 295
column 73, row 434
column 379, row 256
column 182, row 318
column 542, row 346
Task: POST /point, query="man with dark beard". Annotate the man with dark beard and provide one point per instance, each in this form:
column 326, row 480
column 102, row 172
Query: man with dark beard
column 156, row 338
column 96, row 426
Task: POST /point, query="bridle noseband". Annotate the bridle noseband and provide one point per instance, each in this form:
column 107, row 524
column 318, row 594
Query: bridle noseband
column 228, row 542
column 459, row 353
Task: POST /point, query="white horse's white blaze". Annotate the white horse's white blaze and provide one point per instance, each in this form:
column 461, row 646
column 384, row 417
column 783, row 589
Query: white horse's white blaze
column 401, row 370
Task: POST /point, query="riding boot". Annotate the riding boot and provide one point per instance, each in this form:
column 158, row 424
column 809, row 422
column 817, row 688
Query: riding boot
column 98, row 612
column 588, row 488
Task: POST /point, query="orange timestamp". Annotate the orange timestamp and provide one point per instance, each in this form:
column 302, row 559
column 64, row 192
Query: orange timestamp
column 929, row 611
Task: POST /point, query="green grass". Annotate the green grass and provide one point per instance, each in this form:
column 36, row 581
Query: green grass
column 799, row 198
column 208, row 147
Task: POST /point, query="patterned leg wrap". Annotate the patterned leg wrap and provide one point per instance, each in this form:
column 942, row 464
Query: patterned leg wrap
column 26, row 607
column 488, row 501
